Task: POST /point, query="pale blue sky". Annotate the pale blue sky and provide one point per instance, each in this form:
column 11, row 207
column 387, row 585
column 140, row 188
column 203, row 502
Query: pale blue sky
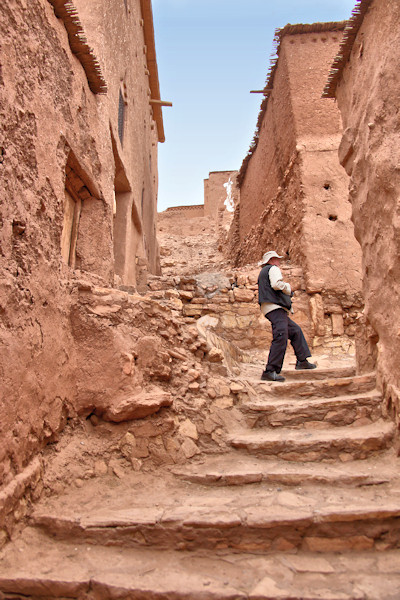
column 210, row 54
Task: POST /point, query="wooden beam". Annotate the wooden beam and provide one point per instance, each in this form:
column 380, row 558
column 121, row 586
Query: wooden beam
column 160, row 102
column 266, row 91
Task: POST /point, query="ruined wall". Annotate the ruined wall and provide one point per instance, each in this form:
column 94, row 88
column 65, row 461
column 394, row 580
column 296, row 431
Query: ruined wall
column 215, row 191
column 367, row 95
column 62, row 160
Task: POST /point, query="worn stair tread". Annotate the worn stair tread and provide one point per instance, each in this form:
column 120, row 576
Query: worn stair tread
column 254, row 371
column 191, row 506
column 300, row 437
column 294, row 405
column 204, row 516
column 54, row 569
column 319, row 387
column 319, row 373
column 227, row 470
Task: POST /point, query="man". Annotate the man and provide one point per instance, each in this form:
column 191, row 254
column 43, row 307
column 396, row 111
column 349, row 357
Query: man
column 274, row 298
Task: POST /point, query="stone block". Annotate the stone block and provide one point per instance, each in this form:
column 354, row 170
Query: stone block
column 243, row 295
column 138, row 406
column 228, row 321
column 190, row 310
column 236, row 387
column 189, row 448
column 188, row 429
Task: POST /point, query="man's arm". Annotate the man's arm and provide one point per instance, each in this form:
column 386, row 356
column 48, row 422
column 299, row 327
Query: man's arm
column 276, row 280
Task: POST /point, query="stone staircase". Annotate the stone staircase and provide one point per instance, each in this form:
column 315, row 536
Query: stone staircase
column 304, row 505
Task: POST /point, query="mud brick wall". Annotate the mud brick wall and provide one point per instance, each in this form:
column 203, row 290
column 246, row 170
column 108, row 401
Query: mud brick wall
column 367, row 96
column 56, row 132
column 293, row 192
column 271, row 180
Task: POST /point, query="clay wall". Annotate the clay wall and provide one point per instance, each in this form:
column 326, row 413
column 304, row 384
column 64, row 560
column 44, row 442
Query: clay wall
column 331, row 254
column 64, row 159
column 117, row 36
column 367, row 96
column 271, row 169
column 293, row 193
column 184, row 212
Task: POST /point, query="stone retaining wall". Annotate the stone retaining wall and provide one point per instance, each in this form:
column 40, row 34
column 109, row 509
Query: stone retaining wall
column 328, row 325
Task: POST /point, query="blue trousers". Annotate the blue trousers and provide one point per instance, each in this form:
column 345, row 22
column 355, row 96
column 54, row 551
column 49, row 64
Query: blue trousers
column 284, row 329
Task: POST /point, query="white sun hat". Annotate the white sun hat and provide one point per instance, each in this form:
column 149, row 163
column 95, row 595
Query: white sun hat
column 267, row 257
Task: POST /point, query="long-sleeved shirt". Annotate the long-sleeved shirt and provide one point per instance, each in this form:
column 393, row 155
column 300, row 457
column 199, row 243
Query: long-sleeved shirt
column 277, row 283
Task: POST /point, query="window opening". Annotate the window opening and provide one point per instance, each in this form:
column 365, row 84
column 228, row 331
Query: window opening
column 69, row 236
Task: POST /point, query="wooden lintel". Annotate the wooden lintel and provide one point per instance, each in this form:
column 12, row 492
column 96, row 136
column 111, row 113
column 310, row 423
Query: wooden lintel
column 160, row 102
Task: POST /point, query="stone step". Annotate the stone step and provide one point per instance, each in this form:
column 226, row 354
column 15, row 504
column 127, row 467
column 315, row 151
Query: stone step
column 316, row 374
column 314, row 412
column 309, row 520
column 324, row 388
column 54, row 569
column 253, row 371
column 344, row 443
column 226, row 470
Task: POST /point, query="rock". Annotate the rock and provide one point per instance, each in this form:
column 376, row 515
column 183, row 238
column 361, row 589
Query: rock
column 141, row 450
column 127, row 444
column 189, row 448
column 138, row 406
column 94, row 420
column 176, row 354
column 224, row 402
column 136, row 464
column 116, row 468
column 243, row 295
column 152, row 359
column 223, row 390
column 194, row 386
column 100, row 468
column 215, row 355
column 188, row 429
column 105, row 311
column 193, row 374
column 236, row 387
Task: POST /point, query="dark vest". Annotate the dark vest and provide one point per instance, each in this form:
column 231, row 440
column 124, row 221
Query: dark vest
column 266, row 292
